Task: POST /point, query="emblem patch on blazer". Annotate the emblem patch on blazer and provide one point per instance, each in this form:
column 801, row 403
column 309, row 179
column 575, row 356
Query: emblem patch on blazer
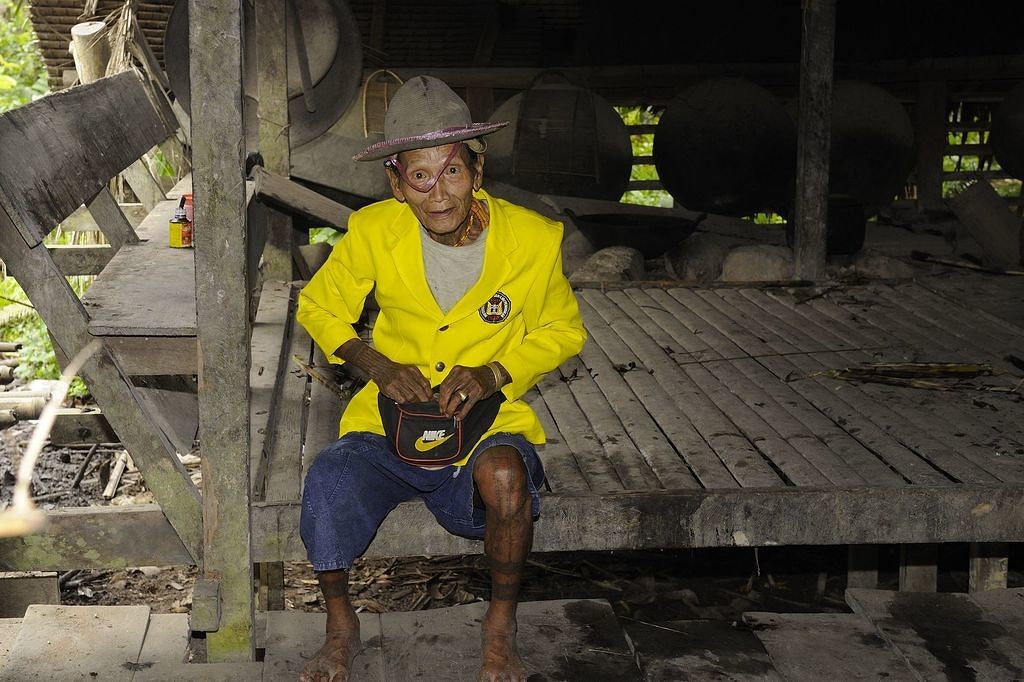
column 496, row 309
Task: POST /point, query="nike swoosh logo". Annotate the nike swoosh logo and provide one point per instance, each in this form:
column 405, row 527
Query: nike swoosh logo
column 427, row 447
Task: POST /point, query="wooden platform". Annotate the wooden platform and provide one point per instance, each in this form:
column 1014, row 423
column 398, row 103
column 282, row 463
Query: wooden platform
column 887, row 635
column 717, row 416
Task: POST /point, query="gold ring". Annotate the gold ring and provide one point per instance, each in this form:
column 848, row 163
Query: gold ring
column 462, row 394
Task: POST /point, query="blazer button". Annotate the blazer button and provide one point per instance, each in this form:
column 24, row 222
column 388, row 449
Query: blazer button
column 439, row 366
column 443, row 329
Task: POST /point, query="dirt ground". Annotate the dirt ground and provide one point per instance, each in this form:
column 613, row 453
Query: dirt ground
column 651, row 586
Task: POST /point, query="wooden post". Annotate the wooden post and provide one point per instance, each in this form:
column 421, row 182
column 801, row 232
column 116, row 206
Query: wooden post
column 222, row 317
column 930, row 143
column 274, row 146
column 988, row 567
column 862, row 566
column 814, row 128
column 90, row 48
column 919, row 569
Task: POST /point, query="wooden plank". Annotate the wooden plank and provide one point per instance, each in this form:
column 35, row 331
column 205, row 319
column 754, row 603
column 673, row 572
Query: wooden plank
column 76, row 426
column 294, row 637
column 970, row 326
column 200, row 672
column 81, row 259
column 784, row 359
column 8, row 634
column 566, row 639
column 223, row 319
column 814, row 646
column 166, row 640
column 1002, row 606
column 111, row 219
column 272, row 115
column 813, row 137
column 291, row 197
column 284, row 471
column 271, row 334
column 97, row 537
column 600, row 473
column 942, row 635
column 97, row 129
column 633, row 470
column 77, row 643
column 959, row 414
column 160, row 278
column 652, row 444
column 802, row 457
column 914, row 423
column 561, row 471
column 997, row 228
column 700, row 650
column 66, row 321
column 740, row 456
column 323, row 419
column 155, row 355
column 174, row 409
column 19, row 589
column 745, row 517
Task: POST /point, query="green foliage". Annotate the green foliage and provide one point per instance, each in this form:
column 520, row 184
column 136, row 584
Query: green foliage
column 324, row 234
column 22, row 71
column 643, row 145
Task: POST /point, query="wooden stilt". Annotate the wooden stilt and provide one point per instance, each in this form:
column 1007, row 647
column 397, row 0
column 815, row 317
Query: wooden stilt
column 862, row 566
column 919, row 569
column 988, row 566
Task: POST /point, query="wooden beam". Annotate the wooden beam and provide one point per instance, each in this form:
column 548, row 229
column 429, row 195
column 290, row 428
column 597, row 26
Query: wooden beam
column 67, row 322
column 222, row 318
column 814, row 125
column 153, row 355
column 742, row 517
column 288, row 195
column 103, row 127
column 930, row 143
column 111, row 219
column 97, row 537
column 81, row 259
column 272, row 86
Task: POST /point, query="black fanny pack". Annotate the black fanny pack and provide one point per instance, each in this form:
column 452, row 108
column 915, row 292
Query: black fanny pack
column 418, row 433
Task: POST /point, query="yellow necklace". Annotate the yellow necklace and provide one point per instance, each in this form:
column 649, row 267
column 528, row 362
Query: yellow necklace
column 479, row 219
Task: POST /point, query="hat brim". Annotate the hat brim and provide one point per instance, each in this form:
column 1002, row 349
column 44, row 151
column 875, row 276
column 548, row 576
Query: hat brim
column 386, row 148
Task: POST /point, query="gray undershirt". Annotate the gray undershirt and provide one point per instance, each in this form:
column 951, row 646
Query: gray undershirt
column 451, row 270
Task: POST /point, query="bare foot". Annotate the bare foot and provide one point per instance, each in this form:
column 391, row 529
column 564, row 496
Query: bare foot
column 501, row 662
column 333, row 663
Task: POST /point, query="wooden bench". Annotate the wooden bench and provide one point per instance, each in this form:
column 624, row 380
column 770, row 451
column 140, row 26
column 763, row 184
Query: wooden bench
column 718, row 417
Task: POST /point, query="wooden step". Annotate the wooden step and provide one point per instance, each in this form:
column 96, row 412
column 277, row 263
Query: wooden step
column 77, row 643
column 700, row 650
column 950, row 635
column 9, row 628
column 807, row 647
column 571, row 639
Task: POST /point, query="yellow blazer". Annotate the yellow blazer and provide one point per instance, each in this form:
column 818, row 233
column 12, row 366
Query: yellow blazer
column 521, row 312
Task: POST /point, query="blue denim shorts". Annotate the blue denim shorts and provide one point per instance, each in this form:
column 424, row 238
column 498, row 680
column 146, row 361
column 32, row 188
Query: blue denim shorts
column 356, row 481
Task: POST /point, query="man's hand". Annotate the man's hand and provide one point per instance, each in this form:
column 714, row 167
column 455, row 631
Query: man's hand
column 464, row 387
column 401, row 383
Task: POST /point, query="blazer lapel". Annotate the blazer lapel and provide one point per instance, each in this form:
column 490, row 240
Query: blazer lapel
column 501, row 244
column 408, row 258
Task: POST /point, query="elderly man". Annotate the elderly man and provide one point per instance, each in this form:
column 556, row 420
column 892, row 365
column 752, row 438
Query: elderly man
column 474, row 309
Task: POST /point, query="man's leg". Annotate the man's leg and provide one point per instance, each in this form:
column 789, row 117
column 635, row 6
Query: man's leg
column 500, row 478
column 334, row 660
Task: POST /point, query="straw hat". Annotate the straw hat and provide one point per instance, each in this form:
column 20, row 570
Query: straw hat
column 425, row 112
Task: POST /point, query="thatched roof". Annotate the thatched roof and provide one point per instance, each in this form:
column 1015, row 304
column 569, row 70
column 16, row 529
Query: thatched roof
column 53, row 19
